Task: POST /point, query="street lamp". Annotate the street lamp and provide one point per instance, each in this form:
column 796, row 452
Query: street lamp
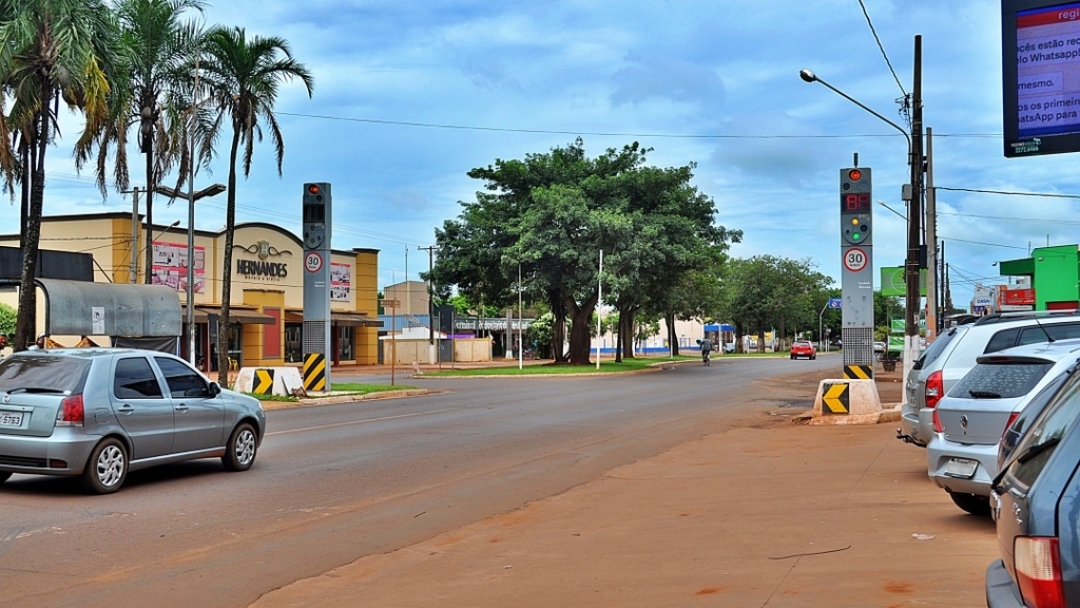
column 192, row 196
column 914, row 143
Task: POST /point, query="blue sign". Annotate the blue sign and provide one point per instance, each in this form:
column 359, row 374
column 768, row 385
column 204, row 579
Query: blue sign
column 836, row 303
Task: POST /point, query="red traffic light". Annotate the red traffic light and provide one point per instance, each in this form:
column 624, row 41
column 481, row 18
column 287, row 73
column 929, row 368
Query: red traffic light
column 854, row 175
column 313, row 188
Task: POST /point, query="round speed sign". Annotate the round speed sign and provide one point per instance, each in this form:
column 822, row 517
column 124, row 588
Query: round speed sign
column 313, row 261
column 855, row 259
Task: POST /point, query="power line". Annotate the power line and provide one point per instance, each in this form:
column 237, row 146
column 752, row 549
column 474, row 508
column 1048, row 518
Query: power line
column 881, row 47
column 1010, row 193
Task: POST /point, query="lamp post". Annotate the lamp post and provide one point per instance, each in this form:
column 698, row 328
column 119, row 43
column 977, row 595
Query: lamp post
column 914, row 240
column 192, row 196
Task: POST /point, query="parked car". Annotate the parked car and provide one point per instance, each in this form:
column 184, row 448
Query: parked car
column 953, row 353
column 1034, row 501
column 969, row 422
column 98, row 413
column 803, row 348
column 879, row 347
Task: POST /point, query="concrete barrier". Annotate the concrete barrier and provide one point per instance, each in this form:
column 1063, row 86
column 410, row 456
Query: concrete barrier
column 286, row 380
column 844, row 401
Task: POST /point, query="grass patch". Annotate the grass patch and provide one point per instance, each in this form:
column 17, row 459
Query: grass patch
column 345, row 388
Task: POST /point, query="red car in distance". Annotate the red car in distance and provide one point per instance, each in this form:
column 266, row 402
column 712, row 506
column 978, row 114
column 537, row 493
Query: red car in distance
column 803, row 348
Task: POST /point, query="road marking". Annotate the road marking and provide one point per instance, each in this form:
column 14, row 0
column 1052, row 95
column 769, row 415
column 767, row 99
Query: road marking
column 363, row 421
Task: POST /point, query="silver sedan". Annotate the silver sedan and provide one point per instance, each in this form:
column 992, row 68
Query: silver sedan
column 98, row 413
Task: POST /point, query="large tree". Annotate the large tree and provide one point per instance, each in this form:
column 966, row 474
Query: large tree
column 158, row 46
column 242, row 79
column 51, row 50
column 766, row 292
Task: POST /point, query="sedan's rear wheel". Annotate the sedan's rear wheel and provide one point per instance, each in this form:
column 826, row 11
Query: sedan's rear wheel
column 240, row 452
column 972, row 503
column 107, row 468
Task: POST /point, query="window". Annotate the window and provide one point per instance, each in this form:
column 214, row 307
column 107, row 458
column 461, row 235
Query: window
column 47, row 373
column 1000, row 380
column 182, row 380
column 135, row 379
column 1004, row 339
column 1047, row 430
column 937, row 347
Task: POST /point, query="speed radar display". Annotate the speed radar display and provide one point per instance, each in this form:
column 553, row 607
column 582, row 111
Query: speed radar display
column 1040, row 76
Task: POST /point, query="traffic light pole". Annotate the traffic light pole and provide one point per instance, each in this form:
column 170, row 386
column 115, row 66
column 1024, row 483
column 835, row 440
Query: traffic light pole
column 912, row 264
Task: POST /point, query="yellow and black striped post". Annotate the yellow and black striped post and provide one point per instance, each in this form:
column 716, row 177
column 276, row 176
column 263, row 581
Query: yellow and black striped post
column 859, row 372
column 315, row 372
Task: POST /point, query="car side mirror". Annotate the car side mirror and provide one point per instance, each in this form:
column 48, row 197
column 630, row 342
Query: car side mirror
column 215, row 389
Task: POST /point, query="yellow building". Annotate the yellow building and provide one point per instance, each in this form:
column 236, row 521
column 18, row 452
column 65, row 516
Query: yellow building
column 267, row 296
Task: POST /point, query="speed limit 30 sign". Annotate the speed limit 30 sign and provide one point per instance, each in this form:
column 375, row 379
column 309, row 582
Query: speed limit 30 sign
column 855, row 259
column 313, row 262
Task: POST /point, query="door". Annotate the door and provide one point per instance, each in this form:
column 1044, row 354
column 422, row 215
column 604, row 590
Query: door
column 142, row 408
column 198, row 417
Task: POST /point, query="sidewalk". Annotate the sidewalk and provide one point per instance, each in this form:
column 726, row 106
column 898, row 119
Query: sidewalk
column 768, row 513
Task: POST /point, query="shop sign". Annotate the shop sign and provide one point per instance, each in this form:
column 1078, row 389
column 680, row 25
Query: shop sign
column 262, row 268
column 1016, row 297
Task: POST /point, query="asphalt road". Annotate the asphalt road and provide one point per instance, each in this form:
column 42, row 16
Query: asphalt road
column 335, row 483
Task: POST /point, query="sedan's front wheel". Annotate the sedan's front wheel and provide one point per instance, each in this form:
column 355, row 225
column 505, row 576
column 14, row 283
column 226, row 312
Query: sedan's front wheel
column 240, row 452
column 972, row 503
column 107, row 468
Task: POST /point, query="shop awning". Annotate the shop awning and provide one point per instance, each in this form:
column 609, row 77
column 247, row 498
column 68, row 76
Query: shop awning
column 353, row 319
column 237, row 315
column 337, row 317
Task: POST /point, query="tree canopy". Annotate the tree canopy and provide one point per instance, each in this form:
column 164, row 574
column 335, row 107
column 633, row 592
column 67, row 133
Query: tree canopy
column 553, row 214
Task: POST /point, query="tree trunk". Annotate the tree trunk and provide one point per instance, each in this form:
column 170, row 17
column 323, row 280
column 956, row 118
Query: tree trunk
column 226, row 274
column 579, row 328
column 619, row 340
column 26, row 321
column 149, row 274
column 673, row 341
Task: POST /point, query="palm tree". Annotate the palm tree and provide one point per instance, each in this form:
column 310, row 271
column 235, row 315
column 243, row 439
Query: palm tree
column 242, row 78
column 158, row 45
column 51, row 49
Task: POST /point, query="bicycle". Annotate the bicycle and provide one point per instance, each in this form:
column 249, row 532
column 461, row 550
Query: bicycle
column 705, row 358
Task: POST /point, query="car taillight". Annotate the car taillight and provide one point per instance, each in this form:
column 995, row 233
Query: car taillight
column 934, row 389
column 938, row 427
column 1038, row 571
column 71, row 412
column 1012, row 419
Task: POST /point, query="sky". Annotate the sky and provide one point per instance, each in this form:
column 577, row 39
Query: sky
column 409, row 96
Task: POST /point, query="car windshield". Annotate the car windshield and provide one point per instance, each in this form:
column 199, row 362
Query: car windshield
column 1000, row 380
column 37, row 373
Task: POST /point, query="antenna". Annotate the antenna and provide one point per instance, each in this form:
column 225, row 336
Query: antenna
column 1049, row 338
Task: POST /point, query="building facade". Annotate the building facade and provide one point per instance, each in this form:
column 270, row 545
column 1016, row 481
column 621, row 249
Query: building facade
column 267, row 298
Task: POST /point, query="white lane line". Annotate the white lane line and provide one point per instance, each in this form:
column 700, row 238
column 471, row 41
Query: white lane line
column 363, row 421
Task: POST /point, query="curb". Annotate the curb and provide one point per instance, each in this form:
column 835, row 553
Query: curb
column 335, row 399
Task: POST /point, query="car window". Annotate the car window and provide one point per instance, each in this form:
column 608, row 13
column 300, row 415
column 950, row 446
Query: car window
column 1000, row 380
column 1047, row 429
column 135, row 379
column 182, row 380
column 936, row 347
column 46, row 373
column 1033, row 408
column 1004, row 339
column 1057, row 331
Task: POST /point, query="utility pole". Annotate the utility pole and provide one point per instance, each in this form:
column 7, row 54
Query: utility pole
column 932, row 301
column 133, row 267
column 912, row 265
column 431, row 302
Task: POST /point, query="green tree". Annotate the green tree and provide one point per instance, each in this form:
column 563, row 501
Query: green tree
column 7, row 319
column 158, row 46
column 242, row 80
column 766, row 292
column 50, row 50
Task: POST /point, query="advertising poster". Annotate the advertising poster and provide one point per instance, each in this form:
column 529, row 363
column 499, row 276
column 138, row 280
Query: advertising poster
column 171, row 266
column 340, row 282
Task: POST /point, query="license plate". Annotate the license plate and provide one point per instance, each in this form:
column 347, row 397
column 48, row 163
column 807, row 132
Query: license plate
column 963, row 468
column 11, row 418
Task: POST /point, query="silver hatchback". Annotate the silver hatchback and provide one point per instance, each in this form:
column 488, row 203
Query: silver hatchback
column 99, row 413
column 969, row 422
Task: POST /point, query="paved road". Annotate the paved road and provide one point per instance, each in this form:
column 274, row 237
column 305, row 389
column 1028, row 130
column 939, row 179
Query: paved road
column 336, row 483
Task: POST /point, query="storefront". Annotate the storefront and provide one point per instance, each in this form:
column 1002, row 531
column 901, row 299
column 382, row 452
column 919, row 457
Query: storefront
column 266, row 300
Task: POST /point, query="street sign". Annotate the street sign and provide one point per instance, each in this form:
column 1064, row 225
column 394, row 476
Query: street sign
column 836, row 302
column 855, row 259
column 313, row 262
